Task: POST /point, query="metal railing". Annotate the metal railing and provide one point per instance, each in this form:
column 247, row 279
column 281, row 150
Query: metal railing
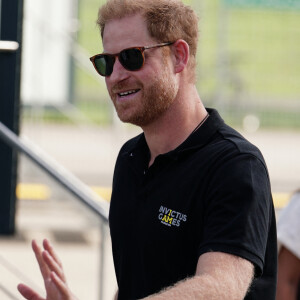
column 68, row 181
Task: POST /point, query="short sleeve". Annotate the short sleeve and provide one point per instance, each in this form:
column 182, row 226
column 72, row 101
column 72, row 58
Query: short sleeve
column 238, row 210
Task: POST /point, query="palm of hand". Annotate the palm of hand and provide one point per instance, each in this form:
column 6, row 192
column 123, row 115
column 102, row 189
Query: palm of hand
column 53, row 275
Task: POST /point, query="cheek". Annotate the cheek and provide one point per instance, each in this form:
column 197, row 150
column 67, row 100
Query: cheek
column 109, row 87
column 107, row 84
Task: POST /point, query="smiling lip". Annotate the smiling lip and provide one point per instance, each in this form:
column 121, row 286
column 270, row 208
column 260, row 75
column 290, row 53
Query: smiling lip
column 128, row 93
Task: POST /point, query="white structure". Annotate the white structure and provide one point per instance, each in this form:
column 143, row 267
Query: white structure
column 47, row 45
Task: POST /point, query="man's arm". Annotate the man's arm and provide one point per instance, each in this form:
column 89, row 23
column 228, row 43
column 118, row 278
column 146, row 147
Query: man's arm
column 218, row 276
column 288, row 275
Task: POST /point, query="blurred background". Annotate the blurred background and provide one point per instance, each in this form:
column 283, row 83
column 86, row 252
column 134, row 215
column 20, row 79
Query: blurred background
column 248, row 68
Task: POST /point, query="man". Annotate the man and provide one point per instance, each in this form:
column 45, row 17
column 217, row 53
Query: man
column 191, row 213
column 288, row 233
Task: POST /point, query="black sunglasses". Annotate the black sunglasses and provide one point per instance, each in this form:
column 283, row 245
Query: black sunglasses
column 131, row 59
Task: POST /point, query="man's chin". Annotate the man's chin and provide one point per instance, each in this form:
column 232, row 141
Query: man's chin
column 127, row 118
column 134, row 120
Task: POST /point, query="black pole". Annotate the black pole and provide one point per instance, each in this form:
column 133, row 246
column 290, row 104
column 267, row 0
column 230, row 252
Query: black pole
column 11, row 18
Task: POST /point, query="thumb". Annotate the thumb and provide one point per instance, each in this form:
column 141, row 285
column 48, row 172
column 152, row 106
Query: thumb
column 28, row 293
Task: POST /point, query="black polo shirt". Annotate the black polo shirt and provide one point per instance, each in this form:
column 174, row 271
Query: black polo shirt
column 212, row 193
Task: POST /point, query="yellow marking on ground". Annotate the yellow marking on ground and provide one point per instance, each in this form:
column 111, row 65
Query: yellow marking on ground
column 104, row 192
column 281, row 199
column 33, row 191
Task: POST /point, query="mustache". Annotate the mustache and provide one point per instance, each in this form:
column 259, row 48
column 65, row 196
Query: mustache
column 121, row 86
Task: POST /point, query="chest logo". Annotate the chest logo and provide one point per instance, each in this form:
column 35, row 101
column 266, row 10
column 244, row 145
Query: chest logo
column 171, row 217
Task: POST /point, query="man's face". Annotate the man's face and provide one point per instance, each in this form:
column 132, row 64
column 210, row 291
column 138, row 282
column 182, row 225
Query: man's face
column 143, row 96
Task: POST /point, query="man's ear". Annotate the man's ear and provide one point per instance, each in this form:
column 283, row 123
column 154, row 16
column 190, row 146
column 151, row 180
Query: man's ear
column 181, row 53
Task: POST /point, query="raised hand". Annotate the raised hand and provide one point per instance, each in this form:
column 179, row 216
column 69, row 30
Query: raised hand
column 53, row 275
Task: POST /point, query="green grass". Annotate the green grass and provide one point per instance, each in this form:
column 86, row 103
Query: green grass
column 260, row 49
column 99, row 113
column 87, row 86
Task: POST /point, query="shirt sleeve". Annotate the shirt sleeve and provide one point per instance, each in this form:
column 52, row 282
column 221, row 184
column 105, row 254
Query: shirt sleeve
column 238, row 210
column 288, row 226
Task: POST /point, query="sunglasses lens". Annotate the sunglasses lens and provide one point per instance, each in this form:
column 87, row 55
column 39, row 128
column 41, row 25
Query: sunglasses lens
column 104, row 64
column 131, row 59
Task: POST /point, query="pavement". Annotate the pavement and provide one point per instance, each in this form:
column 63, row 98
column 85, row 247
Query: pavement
column 90, row 153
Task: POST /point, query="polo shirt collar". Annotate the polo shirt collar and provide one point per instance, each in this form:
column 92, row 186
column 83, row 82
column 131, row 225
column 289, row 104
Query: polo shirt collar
column 196, row 140
column 203, row 134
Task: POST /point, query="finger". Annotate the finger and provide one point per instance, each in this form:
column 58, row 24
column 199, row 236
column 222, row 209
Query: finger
column 52, row 259
column 47, row 246
column 43, row 266
column 61, row 286
column 28, row 293
column 53, row 265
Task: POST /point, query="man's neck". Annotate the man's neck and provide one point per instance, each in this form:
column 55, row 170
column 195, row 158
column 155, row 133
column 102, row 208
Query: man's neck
column 173, row 128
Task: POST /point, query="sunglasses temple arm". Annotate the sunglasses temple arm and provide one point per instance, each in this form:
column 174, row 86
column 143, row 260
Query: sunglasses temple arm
column 159, row 45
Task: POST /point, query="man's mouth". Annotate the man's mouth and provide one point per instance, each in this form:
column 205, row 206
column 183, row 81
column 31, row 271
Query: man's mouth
column 127, row 93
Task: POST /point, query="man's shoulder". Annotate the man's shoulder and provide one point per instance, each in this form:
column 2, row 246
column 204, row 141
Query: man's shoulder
column 225, row 138
column 238, row 141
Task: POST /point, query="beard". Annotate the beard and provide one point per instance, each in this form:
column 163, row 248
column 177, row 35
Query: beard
column 154, row 101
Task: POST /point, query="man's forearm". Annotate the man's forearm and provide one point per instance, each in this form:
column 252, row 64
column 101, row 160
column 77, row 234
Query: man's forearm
column 200, row 287
column 218, row 276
